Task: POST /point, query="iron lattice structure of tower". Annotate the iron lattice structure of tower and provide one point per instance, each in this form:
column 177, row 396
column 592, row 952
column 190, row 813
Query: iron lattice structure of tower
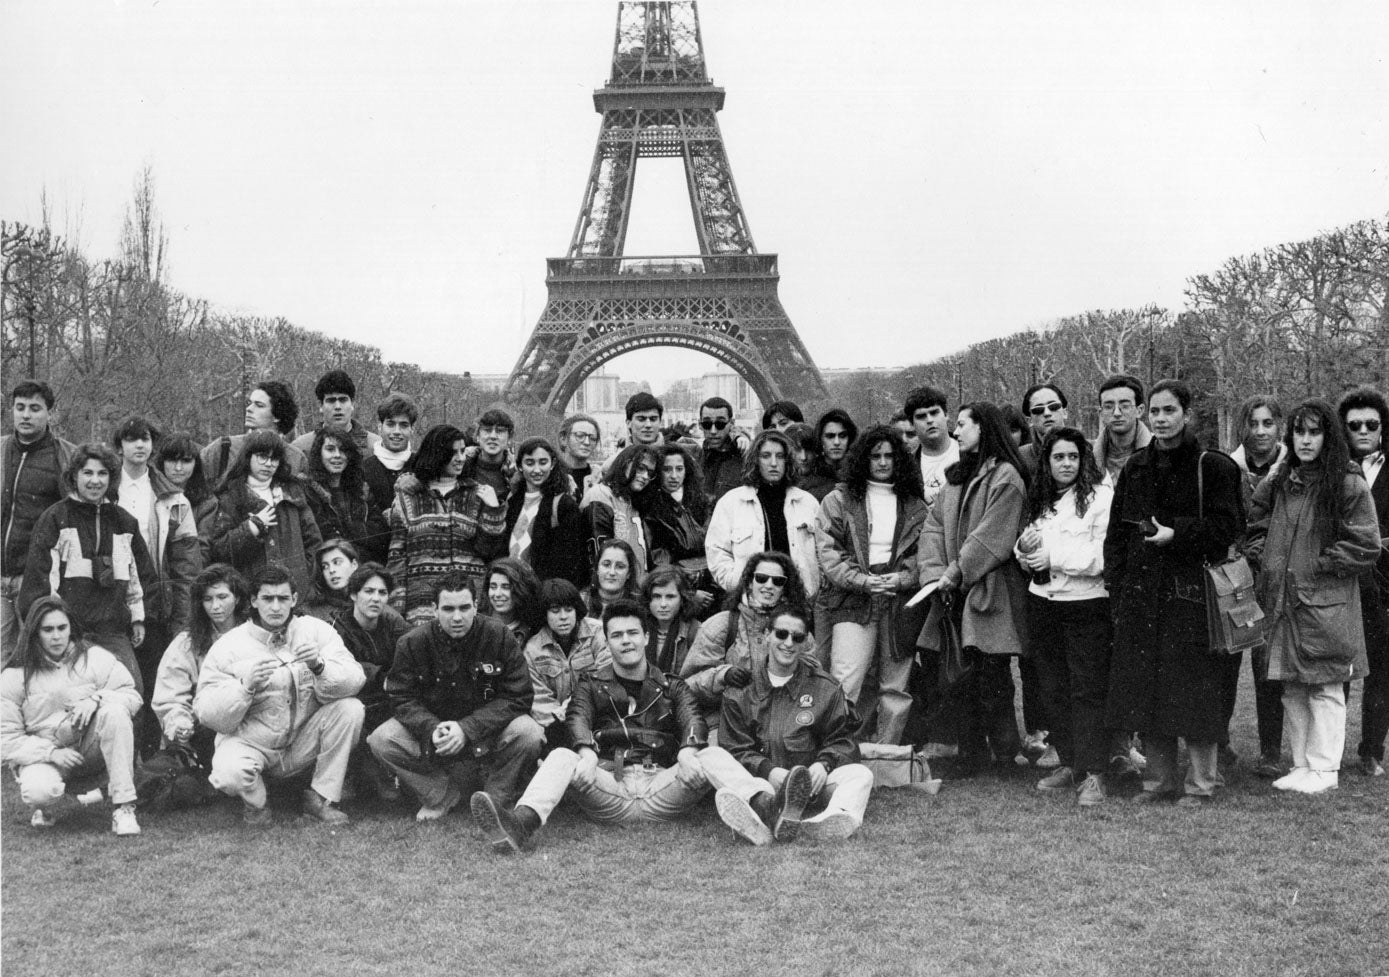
column 723, row 301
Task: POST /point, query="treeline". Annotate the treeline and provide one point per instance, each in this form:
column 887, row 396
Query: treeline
column 113, row 337
column 1297, row 320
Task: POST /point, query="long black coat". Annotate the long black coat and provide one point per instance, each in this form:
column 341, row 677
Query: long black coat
column 558, row 540
column 1164, row 680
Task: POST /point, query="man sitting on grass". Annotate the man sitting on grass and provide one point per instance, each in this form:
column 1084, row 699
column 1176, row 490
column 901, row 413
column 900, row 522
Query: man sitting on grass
column 462, row 695
column 792, row 728
column 639, row 747
column 279, row 690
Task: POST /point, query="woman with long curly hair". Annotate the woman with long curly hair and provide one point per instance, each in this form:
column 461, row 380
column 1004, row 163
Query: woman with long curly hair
column 1314, row 532
column 509, row 594
column 967, row 545
column 676, row 512
column 543, row 523
column 1068, row 618
column 612, row 509
column 866, row 535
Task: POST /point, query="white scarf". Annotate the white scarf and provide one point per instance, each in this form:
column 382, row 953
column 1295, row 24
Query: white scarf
column 391, row 460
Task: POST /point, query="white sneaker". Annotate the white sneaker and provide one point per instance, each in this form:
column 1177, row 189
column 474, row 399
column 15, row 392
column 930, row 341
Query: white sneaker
column 739, row 815
column 41, row 820
column 123, row 820
column 1291, row 779
column 832, row 827
column 1317, row 782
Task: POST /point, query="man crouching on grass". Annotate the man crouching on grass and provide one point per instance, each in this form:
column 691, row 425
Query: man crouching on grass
column 279, row 690
column 640, row 742
column 462, row 694
column 792, row 726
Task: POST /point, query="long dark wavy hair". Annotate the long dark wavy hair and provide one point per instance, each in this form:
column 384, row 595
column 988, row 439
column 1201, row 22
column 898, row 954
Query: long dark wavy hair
column 558, row 482
column 1329, row 468
column 619, row 476
column 525, row 585
column 994, row 442
column 201, row 633
column 793, row 593
column 906, row 474
column 695, row 500
column 352, row 479
column 436, row 451
column 1043, row 492
column 27, row 655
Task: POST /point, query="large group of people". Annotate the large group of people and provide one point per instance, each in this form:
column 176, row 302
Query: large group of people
column 515, row 622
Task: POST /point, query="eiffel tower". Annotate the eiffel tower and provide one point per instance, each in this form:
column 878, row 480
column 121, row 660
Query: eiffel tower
column 723, row 301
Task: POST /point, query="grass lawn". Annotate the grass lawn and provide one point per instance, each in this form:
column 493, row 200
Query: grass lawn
column 989, row 877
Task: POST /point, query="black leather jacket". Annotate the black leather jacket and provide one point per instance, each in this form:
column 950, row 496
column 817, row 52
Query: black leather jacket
column 664, row 719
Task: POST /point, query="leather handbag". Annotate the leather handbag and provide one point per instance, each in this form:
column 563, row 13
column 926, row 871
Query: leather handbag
column 1234, row 619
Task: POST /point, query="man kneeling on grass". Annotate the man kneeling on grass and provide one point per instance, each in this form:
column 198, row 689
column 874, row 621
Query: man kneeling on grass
column 639, row 747
column 791, row 728
column 462, row 695
column 279, row 692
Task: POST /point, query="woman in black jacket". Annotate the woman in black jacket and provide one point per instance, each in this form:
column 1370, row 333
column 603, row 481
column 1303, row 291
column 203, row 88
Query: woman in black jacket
column 543, row 524
column 337, row 493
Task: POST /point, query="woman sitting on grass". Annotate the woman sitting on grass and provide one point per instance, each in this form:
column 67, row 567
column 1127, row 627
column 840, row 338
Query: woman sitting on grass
column 614, row 577
column 669, row 600
column 566, row 649
column 66, row 711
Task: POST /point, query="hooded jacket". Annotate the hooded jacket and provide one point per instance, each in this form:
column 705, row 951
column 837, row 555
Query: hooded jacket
column 175, row 551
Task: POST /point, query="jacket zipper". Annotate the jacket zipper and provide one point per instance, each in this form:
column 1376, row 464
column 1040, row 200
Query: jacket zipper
column 14, row 496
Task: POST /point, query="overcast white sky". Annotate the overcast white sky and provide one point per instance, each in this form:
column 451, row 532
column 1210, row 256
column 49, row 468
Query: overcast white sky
column 931, row 173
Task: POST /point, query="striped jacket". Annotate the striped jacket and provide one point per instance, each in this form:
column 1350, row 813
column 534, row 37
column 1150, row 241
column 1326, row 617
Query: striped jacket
column 433, row 534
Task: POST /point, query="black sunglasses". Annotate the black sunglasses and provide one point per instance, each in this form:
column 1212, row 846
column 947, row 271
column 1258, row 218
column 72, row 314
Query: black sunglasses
column 713, row 423
column 769, row 578
column 797, row 637
column 1041, row 409
column 1370, row 425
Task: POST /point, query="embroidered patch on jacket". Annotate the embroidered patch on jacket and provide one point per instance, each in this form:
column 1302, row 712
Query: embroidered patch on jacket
column 805, row 717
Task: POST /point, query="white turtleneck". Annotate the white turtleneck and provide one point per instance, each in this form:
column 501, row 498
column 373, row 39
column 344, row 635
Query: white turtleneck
column 882, row 522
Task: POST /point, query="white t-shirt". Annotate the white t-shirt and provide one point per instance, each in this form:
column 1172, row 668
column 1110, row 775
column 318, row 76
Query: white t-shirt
column 933, row 469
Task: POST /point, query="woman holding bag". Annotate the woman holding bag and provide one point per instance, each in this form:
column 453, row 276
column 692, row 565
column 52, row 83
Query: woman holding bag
column 1314, row 531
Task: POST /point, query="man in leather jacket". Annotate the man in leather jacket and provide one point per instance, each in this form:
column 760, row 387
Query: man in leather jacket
column 639, row 747
column 462, row 695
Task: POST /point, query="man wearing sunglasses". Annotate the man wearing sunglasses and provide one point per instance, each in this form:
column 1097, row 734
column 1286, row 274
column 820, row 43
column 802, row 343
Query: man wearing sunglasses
column 792, row 730
column 1044, row 405
column 1365, row 414
column 720, row 454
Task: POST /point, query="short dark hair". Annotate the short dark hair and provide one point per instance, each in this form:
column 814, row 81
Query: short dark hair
column 452, row 581
column 717, row 403
column 899, row 417
column 1177, row 388
column 558, row 592
column 797, row 611
column 496, row 417
column 335, row 543
column 179, row 446
column 132, row 427
column 363, row 574
column 283, row 407
column 623, row 607
column 334, row 382
column 643, row 401
column 101, row 453
column 919, row 398
column 1116, row 380
column 34, row 388
column 1015, row 420
column 272, row 574
column 788, row 409
column 1364, row 397
column 396, row 404
column 1047, row 385
column 801, row 435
